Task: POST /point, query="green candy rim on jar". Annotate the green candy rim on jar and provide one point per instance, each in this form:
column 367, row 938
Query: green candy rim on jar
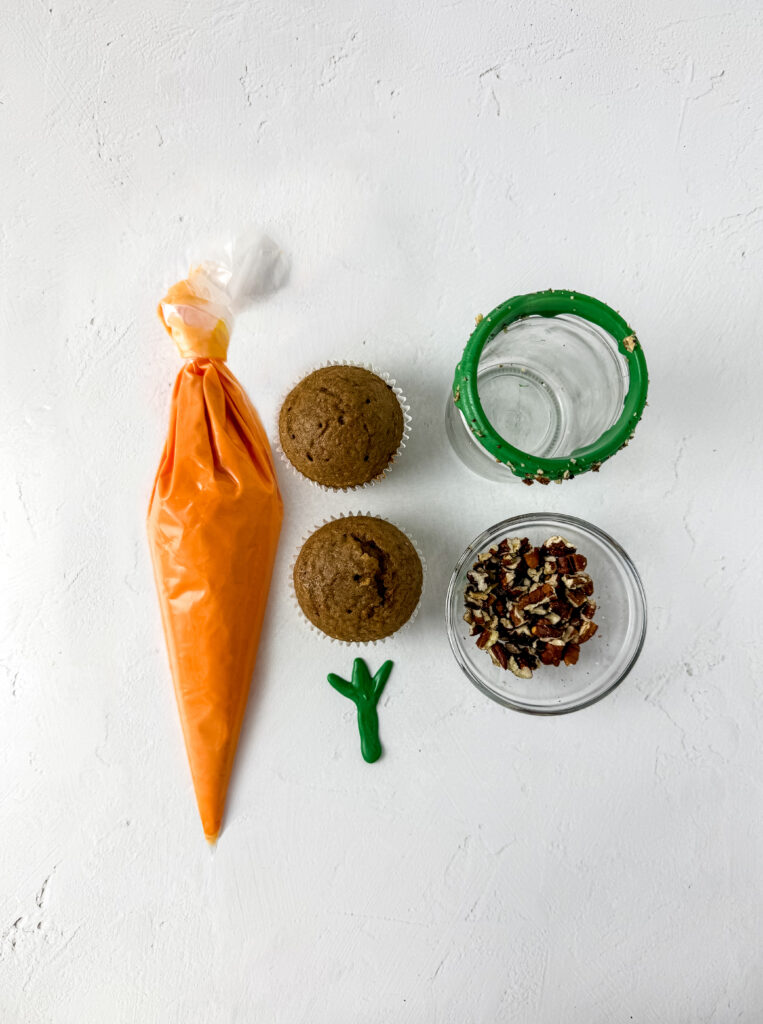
column 551, row 303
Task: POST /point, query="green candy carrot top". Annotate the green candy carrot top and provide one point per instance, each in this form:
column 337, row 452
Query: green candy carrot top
column 364, row 691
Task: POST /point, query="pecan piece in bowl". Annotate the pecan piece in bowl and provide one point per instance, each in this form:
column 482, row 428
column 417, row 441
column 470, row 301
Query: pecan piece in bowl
column 530, row 606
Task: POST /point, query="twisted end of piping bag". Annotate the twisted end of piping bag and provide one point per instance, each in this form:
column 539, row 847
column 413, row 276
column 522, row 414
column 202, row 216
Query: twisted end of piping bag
column 199, row 311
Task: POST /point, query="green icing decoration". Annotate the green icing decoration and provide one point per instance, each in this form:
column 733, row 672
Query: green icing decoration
column 365, row 691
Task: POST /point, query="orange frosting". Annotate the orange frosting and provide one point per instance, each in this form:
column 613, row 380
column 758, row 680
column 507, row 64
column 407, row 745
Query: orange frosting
column 213, row 524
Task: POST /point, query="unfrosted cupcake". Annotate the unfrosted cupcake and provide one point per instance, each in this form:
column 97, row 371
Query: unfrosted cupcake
column 358, row 578
column 341, row 426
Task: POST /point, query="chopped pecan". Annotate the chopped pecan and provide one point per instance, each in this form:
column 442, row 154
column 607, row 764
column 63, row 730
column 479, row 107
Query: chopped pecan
column 560, row 608
column 575, row 596
column 543, row 630
column 523, row 671
column 532, row 559
column 540, row 593
column 487, row 638
column 571, row 654
column 480, row 579
column 506, row 578
column 587, row 630
column 530, row 606
column 499, row 655
column 557, row 546
column 551, row 654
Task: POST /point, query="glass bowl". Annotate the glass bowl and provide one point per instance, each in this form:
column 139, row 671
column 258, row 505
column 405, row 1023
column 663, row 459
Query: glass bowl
column 608, row 656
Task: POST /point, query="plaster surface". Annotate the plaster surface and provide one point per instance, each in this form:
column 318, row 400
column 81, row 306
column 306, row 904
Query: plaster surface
column 420, row 162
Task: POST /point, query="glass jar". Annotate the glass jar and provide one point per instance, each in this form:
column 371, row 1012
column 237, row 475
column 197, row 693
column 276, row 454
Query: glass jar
column 550, row 385
column 605, row 661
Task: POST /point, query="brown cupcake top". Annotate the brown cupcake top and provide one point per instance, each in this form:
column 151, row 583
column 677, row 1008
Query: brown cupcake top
column 341, row 426
column 358, row 578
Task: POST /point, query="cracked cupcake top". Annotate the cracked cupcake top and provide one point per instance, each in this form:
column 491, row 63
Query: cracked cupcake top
column 341, row 426
column 358, row 578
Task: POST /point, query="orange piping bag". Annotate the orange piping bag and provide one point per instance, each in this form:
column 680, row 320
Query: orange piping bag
column 213, row 524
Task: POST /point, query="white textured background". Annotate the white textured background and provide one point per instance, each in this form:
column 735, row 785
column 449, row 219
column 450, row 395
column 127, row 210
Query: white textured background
column 421, row 162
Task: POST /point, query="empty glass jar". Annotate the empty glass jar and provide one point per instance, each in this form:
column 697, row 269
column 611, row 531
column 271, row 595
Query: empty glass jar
column 549, row 386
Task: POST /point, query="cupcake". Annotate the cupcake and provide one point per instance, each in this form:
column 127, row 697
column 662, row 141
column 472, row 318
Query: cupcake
column 341, row 426
column 358, row 579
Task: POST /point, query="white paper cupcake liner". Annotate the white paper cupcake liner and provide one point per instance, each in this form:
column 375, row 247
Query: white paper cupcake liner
column 398, row 393
column 355, row 643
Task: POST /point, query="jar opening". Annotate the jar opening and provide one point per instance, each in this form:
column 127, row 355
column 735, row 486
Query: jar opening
column 552, row 385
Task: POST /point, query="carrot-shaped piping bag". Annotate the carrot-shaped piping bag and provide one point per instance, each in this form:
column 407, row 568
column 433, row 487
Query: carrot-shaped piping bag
column 213, row 525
